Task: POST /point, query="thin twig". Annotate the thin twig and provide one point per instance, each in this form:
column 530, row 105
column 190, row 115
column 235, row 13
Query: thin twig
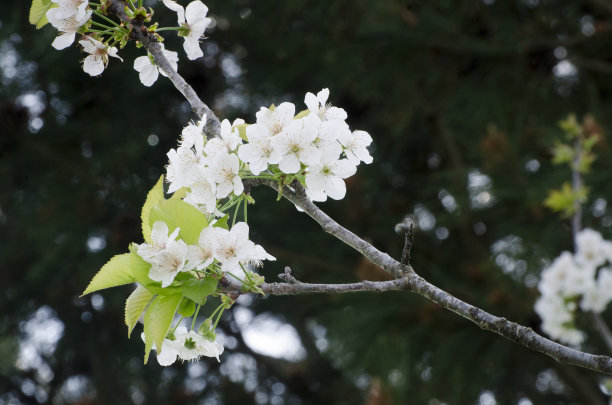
column 408, row 242
column 288, row 277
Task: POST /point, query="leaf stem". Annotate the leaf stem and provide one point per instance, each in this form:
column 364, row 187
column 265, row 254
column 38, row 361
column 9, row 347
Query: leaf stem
column 229, row 204
column 245, row 210
column 177, row 324
column 236, row 210
column 102, row 25
column 246, row 273
column 167, row 29
column 105, row 18
column 195, row 316
column 222, row 307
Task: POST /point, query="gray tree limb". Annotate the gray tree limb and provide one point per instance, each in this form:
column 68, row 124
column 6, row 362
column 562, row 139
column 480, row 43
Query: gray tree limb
column 407, row 279
column 141, row 34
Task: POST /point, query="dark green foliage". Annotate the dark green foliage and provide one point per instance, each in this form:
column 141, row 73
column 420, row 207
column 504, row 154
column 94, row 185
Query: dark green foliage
column 446, row 88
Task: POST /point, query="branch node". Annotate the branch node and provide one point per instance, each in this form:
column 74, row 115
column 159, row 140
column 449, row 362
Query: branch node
column 408, row 241
column 286, row 276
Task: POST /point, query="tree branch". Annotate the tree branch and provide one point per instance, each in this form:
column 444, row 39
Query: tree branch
column 297, row 287
column 140, row 33
column 408, row 280
column 297, row 195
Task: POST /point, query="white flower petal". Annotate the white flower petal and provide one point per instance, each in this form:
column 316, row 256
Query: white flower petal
column 168, row 353
column 290, row 164
column 149, row 75
column 174, row 6
column 64, row 40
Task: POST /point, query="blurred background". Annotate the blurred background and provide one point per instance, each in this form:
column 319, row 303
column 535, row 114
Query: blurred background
column 462, row 99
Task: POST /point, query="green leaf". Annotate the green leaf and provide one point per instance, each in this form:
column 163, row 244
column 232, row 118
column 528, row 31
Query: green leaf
column 135, row 306
column 586, row 160
column 198, row 290
column 177, row 213
column 139, row 269
column 571, row 126
column 153, row 198
column 38, row 12
column 242, row 131
column 187, row 307
column 590, row 141
column 222, row 222
column 565, row 200
column 301, row 114
column 180, row 193
column 157, row 320
column 562, row 153
column 115, row 272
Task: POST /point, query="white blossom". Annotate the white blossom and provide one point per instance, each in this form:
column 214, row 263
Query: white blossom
column 594, row 299
column 203, row 190
column 326, row 178
column 296, row 145
column 203, row 254
column 227, row 141
column 183, row 167
column 169, row 262
column 186, row 345
column 604, row 281
column 193, row 135
column 571, row 279
column 224, row 171
column 557, row 319
column 229, row 134
column 68, row 8
column 166, row 255
column 318, row 106
column 580, row 281
column 327, row 140
column 148, row 71
column 194, row 22
column 555, row 278
column 67, row 19
column 258, row 152
column 355, row 146
column 274, row 121
column 590, row 248
column 160, row 238
column 234, row 248
column 98, row 52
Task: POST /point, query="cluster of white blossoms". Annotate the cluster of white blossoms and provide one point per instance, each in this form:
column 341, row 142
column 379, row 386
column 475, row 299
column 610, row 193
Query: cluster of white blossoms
column 231, row 250
column 580, row 281
column 316, row 146
column 69, row 16
column 187, row 346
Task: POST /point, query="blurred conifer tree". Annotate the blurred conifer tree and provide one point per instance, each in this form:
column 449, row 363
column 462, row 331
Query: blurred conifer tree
column 462, row 100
